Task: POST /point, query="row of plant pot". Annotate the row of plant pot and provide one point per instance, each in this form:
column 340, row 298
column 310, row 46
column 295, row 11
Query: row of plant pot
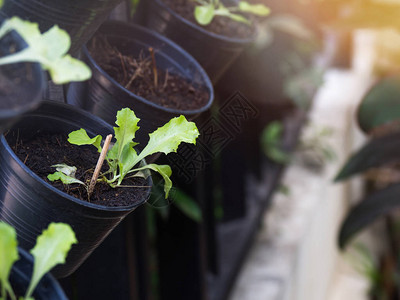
column 54, row 116
column 79, row 18
column 28, row 201
column 224, row 49
column 211, row 46
column 179, row 77
column 222, row 190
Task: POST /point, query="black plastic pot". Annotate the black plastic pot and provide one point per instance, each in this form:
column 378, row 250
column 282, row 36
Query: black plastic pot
column 29, row 203
column 20, row 276
column 103, row 96
column 26, row 83
column 261, row 83
column 214, row 52
column 261, row 78
column 80, row 18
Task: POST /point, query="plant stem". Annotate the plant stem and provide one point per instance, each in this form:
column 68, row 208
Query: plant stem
column 3, row 291
column 99, row 164
column 19, row 56
column 155, row 73
column 10, row 292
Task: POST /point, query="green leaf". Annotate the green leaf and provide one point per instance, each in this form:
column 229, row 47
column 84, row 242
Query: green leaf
column 187, row 205
column 1, row 3
column 368, row 210
column 377, row 152
column 204, row 14
column 381, row 105
column 8, row 255
column 64, row 173
column 55, row 42
column 164, row 170
column 123, row 154
column 125, row 132
column 133, row 5
column 27, row 30
column 80, row 137
column 67, row 170
column 225, row 12
column 64, row 178
column 238, row 18
column 257, row 9
column 272, row 133
column 67, row 69
column 167, row 138
column 127, row 160
column 122, row 157
column 49, row 49
column 51, row 249
column 271, row 143
column 277, row 155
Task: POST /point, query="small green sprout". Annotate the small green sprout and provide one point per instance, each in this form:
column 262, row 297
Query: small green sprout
column 271, row 143
column 51, row 249
column 122, row 159
column 49, row 49
column 206, row 10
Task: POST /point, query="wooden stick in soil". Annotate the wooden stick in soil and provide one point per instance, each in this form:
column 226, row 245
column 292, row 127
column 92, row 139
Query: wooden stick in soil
column 99, row 164
column 155, row 73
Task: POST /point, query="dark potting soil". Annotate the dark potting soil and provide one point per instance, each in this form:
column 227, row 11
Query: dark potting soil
column 219, row 25
column 137, row 75
column 45, row 150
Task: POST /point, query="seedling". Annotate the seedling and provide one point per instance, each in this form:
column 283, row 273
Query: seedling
column 122, row 159
column 271, row 143
column 51, row 249
column 49, row 49
column 206, row 10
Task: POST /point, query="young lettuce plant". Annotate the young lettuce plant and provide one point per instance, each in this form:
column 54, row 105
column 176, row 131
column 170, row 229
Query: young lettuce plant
column 49, row 49
column 122, row 159
column 51, row 249
column 206, row 10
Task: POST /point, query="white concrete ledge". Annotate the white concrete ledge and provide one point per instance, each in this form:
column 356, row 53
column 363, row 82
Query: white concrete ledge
column 295, row 255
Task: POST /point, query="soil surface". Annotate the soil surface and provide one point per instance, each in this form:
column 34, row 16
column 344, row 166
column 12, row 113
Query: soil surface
column 46, row 149
column 219, row 25
column 141, row 76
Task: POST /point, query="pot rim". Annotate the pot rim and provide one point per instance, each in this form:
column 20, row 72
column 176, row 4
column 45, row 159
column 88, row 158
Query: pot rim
column 202, row 30
column 7, row 147
column 165, row 40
